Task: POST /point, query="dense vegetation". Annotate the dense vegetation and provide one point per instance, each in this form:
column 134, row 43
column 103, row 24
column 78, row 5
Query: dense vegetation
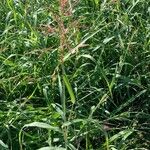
column 74, row 74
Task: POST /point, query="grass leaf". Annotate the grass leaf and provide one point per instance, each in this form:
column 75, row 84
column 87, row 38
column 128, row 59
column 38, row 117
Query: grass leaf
column 3, row 145
column 41, row 125
column 52, row 148
column 69, row 88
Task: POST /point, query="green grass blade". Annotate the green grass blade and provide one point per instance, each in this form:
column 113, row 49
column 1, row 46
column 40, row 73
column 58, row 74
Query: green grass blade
column 69, row 88
column 3, row 145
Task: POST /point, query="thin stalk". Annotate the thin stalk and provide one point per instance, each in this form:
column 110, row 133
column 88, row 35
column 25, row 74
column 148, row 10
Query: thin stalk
column 61, row 53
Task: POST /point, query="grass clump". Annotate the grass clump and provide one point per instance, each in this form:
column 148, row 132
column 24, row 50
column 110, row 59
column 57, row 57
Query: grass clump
column 74, row 74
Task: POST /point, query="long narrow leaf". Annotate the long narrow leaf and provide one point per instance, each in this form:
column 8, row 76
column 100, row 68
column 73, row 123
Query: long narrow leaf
column 52, row 148
column 69, row 88
column 130, row 101
column 3, row 145
column 41, row 125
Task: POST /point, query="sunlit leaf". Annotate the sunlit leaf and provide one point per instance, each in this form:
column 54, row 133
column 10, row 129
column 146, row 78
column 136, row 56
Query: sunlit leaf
column 3, row 144
column 41, row 125
column 52, row 148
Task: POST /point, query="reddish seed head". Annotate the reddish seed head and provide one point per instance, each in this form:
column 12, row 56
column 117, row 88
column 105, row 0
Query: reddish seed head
column 63, row 4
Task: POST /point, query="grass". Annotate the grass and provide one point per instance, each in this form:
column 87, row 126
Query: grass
column 74, row 75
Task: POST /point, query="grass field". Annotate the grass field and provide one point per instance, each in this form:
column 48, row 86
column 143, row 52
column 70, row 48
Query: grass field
column 74, row 74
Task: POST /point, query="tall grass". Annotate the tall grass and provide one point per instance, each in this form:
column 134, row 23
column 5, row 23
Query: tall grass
column 74, row 74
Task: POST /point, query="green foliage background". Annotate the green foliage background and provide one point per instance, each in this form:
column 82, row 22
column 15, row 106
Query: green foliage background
column 97, row 97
